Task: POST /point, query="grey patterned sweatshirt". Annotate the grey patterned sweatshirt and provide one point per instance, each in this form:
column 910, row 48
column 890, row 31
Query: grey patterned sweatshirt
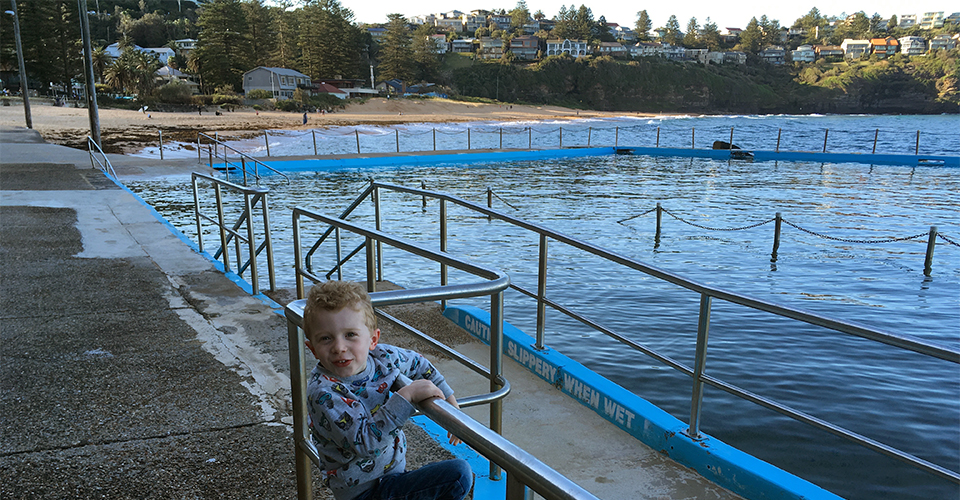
column 356, row 421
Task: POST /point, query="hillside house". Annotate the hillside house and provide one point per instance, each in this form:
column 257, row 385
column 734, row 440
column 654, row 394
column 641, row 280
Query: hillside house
column 612, row 49
column 913, row 46
column 490, row 48
column 646, row 49
column 884, row 47
column 576, row 48
column 931, row 20
column 803, row 54
column 280, row 82
column 734, row 57
column 525, row 47
column 463, row 45
column 855, row 49
column 824, row 51
column 440, row 44
column 774, row 54
column 943, row 42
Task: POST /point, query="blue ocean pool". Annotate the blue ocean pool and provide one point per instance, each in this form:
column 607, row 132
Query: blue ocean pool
column 718, row 232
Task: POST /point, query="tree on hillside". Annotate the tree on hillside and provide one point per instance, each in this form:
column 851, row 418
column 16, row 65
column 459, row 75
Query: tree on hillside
column 672, row 34
column 285, row 23
column 395, row 55
column 751, row 38
column 425, row 58
column 690, row 39
column 710, row 35
column 331, row 45
column 770, row 29
column 260, row 21
column 584, row 25
column 519, row 17
column 892, row 23
column 223, row 47
column 643, row 25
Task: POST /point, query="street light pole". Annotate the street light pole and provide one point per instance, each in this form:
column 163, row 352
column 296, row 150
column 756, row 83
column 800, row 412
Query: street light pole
column 92, row 111
column 24, row 83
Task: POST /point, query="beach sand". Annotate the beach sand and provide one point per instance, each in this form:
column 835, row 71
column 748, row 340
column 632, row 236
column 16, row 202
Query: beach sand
column 126, row 131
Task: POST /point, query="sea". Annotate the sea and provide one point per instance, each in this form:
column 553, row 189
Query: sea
column 852, row 247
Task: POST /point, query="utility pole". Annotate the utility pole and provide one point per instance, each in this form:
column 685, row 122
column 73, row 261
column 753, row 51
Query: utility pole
column 24, row 82
column 92, row 111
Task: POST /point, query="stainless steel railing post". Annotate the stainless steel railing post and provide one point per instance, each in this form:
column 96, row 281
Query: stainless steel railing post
column 371, row 265
column 269, row 243
column 443, row 246
column 703, row 328
column 223, row 233
column 301, row 434
column 251, row 245
column 541, row 293
column 496, row 370
column 298, row 254
column 196, row 213
column 336, row 237
column 379, row 226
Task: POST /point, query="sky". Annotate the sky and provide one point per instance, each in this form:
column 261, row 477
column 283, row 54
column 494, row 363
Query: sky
column 725, row 14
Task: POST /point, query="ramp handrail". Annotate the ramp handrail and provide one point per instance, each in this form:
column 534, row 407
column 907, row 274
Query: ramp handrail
column 252, row 196
column 707, row 294
column 244, row 158
column 105, row 166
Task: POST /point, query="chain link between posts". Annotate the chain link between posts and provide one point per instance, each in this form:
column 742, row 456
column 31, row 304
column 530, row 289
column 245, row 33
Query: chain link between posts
column 794, row 225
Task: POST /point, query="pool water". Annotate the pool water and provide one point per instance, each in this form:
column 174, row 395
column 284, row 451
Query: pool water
column 902, row 399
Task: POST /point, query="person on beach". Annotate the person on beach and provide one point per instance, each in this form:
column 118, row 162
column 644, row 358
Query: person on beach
column 357, row 409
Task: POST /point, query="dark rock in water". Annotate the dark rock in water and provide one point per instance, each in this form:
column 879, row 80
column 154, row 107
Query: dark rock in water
column 724, row 145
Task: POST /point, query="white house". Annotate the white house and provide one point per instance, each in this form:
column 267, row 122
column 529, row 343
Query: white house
column 804, row 53
column 854, row 49
column 576, row 48
column 913, row 45
column 280, row 82
column 162, row 53
column 942, row 42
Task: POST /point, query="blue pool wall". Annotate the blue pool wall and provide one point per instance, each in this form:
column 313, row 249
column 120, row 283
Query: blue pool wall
column 717, row 461
column 459, row 158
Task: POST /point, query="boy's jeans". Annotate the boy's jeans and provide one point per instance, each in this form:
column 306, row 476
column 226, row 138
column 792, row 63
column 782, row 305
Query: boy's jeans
column 447, row 480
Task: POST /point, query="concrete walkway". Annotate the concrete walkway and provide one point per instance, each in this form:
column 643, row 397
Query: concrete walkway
column 131, row 368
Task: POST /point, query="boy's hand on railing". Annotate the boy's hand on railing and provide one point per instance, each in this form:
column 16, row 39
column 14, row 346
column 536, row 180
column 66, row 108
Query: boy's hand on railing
column 420, row 390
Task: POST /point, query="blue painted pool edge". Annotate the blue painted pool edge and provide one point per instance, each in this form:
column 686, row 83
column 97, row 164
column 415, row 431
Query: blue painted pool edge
column 461, row 158
column 717, row 461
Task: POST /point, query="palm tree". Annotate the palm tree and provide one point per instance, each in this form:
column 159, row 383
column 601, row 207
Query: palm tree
column 119, row 75
column 101, row 61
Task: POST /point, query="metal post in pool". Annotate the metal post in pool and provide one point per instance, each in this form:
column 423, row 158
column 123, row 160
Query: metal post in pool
column 397, row 133
column 434, row 139
column 501, row 137
column 589, row 133
column 779, row 131
column 266, row 140
column 656, row 236
column 529, row 137
column 928, row 261
column 658, row 137
column 875, row 135
column 693, row 138
column 468, row 138
column 314, row 134
column 731, row 138
column 616, row 138
column 561, row 137
column 357, row 133
column 161, row 143
column 776, row 237
column 826, row 132
column 917, row 150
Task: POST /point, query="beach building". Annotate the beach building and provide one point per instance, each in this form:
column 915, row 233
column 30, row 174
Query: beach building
column 907, row 21
column 734, row 57
column 172, row 75
column 280, row 82
column 463, row 45
column 833, row 51
column 646, row 49
column 162, row 53
column 613, row 49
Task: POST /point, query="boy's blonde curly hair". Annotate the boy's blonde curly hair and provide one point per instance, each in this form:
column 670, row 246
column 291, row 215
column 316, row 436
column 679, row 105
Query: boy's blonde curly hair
column 335, row 295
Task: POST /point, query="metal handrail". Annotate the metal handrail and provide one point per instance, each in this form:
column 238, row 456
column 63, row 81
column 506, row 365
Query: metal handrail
column 495, row 282
column 105, row 166
column 251, row 197
column 243, row 159
column 707, row 294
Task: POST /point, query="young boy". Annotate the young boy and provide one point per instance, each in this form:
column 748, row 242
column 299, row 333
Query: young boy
column 355, row 419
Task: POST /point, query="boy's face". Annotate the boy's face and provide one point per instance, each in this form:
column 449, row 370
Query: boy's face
column 341, row 341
